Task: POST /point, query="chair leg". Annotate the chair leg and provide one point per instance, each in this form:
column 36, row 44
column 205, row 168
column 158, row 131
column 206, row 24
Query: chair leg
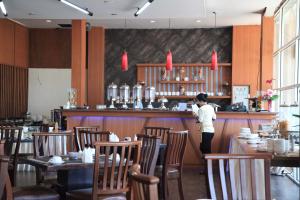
column 38, row 176
column 165, row 187
column 12, row 176
column 129, row 195
column 180, row 187
column 206, row 181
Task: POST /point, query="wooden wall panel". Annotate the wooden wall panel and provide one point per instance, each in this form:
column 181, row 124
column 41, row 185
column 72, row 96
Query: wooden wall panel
column 21, row 46
column 245, row 56
column 95, row 82
column 267, row 50
column 50, row 48
column 79, row 59
column 13, row 91
column 7, row 42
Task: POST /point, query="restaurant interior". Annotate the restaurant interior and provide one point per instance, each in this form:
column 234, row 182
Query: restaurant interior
column 149, row 99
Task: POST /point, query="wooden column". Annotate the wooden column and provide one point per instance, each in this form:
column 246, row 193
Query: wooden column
column 245, row 56
column 78, row 61
column 96, row 53
column 267, row 51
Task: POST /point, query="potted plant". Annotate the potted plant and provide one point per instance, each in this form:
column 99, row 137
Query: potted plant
column 269, row 95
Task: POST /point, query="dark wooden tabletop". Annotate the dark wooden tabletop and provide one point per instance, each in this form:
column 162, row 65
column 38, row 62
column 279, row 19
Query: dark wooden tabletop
column 69, row 164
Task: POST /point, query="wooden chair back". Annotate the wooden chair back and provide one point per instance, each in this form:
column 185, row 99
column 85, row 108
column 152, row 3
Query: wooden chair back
column 235, row 178
column 176, row 144
column 82, row 128
column 5, row 184
column 112, row 176
column 51, row 143
column 88, row 138
column 161, row 132
column 144, row 186
column 149, row 153
column 11, row 135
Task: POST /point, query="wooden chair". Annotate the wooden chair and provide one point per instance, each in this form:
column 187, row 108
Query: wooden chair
column 144, row 186
column 149, row 153
column 21, row 193
column 49, row 144
column 161, row 132
column 111, row 172
column 173, row 163
column 235, row 176
column 82, row 128
column 52, row 143
column 87, row 138
column 11, row 135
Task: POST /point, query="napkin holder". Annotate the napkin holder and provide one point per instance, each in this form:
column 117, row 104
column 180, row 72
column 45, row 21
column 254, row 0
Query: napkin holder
column 87, row 155
column 113, row 138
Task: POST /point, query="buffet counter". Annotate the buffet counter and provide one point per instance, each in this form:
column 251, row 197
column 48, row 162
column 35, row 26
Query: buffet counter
column 129, row 122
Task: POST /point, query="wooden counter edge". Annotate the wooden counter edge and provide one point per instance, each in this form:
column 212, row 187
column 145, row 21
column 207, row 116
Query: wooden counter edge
column 164, row 114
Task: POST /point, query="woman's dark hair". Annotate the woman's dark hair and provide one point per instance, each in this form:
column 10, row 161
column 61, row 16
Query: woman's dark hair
column 202, row 97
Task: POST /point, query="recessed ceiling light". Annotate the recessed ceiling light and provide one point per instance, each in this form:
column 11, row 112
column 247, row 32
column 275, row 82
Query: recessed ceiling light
column 198, row 20
column 31, row 14
column 152, row 21
column 48, row 20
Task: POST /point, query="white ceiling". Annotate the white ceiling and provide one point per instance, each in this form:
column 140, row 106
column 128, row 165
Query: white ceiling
column 182, row 13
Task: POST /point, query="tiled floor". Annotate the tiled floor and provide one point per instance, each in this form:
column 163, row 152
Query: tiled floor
column 194, row 186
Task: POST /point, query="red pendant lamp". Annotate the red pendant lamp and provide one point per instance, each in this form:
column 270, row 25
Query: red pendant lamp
column 214, row 55
column 124, row 61
column 169, row 63
column 214, row 60
column 124, row 65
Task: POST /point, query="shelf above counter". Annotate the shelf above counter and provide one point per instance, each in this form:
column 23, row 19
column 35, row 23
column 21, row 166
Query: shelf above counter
column 182, row 82
column 191, row 97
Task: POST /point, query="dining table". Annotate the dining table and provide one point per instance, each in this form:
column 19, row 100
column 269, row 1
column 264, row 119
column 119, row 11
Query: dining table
column 240, row 145
column 288, row 159
column 73, row 173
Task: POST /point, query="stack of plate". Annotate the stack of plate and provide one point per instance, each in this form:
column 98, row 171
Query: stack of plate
column 244, row 132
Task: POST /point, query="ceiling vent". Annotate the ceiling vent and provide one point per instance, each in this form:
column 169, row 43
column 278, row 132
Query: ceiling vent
column 69, row 26
column 66, row 26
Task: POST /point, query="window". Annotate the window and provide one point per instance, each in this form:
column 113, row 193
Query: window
column 289, row 69
column 286, row 70
column 286, row 55
column 289, row 21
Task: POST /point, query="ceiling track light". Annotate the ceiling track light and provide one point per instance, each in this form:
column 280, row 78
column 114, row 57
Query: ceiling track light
column 3, row 9
column 83, row 10
column 140, row 10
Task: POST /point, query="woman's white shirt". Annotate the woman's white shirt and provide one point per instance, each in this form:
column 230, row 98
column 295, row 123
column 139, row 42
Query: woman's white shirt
column 206, row 115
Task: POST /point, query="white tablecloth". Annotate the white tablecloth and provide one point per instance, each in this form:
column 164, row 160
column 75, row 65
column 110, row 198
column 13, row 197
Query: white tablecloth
column 57, row 144
column 240, row 179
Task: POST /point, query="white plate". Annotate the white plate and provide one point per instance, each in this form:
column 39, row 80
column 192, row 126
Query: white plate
column 57, row 163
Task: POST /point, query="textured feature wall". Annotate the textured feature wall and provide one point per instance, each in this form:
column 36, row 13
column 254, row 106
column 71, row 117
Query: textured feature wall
column 151, row 45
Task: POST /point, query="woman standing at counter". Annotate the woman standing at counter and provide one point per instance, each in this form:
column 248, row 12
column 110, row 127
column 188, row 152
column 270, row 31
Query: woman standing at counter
column 206, row 115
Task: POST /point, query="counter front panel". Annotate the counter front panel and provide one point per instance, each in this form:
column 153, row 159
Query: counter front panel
column 128, row 123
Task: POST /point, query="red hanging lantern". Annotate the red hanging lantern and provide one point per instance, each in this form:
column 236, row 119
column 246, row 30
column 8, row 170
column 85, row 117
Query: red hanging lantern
column 124, row 65
column 169, row 63
column 214, row 60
